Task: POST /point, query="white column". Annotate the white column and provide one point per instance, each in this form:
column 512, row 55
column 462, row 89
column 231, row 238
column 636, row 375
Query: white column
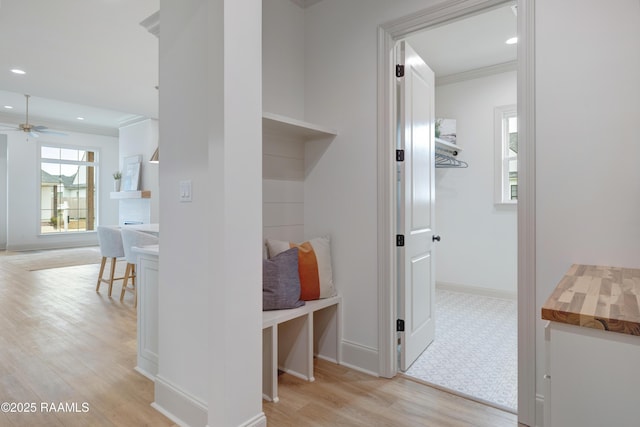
column 210, row 338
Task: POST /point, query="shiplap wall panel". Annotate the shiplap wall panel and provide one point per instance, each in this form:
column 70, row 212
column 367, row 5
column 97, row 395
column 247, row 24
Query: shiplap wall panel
column 282, row 158
column 279, row 191
column 283, row 209
column 282, row 168
column 279, row 214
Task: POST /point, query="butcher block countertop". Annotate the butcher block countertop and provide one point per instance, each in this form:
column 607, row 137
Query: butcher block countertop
column 606, row 298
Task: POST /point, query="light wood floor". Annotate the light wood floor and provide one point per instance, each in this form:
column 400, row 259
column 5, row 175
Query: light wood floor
column 60, row 341
column 344, row 397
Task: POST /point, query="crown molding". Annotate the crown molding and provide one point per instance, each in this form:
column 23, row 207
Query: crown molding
column 132, row 120
column 305, row 3
column 477, row 73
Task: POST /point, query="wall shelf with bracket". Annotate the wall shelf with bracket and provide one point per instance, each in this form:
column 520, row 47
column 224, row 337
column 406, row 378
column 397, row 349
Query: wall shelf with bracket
column 292, row 128
column 119, row 195
column 445, row 155
column 448, row 146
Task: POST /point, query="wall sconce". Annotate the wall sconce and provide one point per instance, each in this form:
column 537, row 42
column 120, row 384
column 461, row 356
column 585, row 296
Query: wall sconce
column 155, row 157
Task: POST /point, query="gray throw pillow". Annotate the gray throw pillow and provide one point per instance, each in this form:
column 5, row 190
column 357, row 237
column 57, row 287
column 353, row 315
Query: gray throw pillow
column 281, row 281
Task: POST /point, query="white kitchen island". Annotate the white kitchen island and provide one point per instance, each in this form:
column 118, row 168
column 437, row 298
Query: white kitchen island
column 147, row 283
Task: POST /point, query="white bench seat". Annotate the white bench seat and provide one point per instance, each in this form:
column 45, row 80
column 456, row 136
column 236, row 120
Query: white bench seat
column 291, row 338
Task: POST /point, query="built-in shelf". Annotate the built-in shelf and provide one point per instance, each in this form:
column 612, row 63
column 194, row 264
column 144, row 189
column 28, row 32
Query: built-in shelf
column 144, row 194
column 274, row 123
column 441, row 143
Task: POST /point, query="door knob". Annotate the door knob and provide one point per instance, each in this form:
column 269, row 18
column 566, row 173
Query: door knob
column 436, row 238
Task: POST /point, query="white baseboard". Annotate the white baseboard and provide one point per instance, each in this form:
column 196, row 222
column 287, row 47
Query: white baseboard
column 179, row 406
column 360, row 358
column 145, row 373
column 476, row 290
column 295, row 373
column 328, row 359
column 259, row 420
column 42, row 246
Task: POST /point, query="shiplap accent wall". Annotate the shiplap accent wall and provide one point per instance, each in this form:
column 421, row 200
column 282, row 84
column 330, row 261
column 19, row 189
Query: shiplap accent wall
column 283, row 210
column 282, row 188
column 282, row 157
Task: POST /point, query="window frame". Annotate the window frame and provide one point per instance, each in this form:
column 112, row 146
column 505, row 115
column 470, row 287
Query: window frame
column 502, row 187
column 95, row 164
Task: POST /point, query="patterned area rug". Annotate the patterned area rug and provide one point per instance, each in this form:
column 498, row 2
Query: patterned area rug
column 54, row 258
column 475, row 352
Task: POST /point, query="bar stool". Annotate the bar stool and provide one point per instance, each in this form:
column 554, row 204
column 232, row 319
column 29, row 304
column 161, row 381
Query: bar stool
column 110, row 247
column 130, row 239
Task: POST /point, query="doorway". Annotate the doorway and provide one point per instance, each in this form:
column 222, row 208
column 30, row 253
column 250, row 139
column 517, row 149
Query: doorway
column 389, row 35
column 474, row 353
column 3, row 185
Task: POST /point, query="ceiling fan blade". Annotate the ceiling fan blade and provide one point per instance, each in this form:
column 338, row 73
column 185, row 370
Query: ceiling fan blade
column 39, row 128
column 33, row 134
column 52, row 132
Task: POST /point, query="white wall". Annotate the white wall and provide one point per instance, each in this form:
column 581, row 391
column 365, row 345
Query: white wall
column 24, row 193
column 587, row 103
column 283, row 162
column 5, row 192
column 587, row 110
column 210, row 337
column 479, row 245
column 283, row 58
column 340, row 190
column 587, row 97
column 142, row 139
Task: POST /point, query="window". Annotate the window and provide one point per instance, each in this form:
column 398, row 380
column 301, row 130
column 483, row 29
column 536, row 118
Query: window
column 506, row 152
column 68, row 179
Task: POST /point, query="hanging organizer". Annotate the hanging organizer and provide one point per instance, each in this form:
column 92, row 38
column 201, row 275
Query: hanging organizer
column 445, row 155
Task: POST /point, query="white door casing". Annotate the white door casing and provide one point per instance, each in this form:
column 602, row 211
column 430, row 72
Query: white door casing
column 416, row 207
column 529, row 404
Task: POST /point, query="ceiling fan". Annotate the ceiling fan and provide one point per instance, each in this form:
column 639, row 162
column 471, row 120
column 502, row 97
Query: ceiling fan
column 31, row 129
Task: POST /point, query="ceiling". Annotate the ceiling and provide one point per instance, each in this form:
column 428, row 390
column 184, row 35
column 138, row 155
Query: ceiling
column 471, row 43
column 93, row 59
column 83, row 58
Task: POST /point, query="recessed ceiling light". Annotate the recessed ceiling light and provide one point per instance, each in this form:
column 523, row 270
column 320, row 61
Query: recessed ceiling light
column 18, row 71
column 8, row 107
column 512, row 40
column 80, row 118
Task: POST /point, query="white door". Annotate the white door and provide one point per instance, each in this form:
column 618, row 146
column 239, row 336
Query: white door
column 416, row 275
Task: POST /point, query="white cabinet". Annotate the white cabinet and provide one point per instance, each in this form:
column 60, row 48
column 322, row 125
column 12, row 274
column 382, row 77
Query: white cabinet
column 593, row 377
column 147, row 283
column 593, row 348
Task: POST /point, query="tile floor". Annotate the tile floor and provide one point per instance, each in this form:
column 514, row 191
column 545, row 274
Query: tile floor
column 474, row 353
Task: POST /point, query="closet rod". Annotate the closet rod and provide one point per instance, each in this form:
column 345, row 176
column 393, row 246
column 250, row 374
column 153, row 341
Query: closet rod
column 445, row 161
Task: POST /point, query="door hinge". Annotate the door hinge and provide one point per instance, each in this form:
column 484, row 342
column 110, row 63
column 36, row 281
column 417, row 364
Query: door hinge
column 399, row 325
column 399, row 155
column 399, row 239
column 399, row 70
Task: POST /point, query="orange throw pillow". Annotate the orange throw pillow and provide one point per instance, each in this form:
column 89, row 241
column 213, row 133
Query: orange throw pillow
column 314, row 266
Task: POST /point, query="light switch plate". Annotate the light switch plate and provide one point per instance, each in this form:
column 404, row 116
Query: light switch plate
column 185, row 190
